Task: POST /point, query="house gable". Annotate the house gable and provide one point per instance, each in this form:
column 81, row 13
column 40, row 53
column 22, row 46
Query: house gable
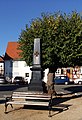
column 12, row 51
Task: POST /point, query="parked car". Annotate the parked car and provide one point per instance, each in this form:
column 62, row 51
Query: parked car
column 2, row 80
column 78, row 81
column 18, row 80
column 61, row 80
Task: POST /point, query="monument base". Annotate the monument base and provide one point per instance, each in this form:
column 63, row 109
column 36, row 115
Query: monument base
column 36, row 82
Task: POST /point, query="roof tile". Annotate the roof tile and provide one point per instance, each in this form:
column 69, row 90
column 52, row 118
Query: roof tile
column 12, row 50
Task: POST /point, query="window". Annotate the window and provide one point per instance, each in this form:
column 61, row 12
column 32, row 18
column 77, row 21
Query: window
column 27, row 74
column 16, row 73
column 15, row 63
column 61, row 71
column 58, row 71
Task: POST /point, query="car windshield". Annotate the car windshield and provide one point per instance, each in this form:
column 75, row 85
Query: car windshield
column 60, row 77
column 18, row 77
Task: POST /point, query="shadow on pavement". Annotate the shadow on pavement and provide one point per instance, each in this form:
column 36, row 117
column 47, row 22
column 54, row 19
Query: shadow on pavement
column 58, row 105
column 2, row 101
column 74, row 89
column 11, row 87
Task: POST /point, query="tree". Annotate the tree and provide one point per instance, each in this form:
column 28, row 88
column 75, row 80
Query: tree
column 61, row 38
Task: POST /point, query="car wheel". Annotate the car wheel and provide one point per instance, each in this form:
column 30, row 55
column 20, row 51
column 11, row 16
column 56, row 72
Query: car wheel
column 66, row 83
column 80, row 82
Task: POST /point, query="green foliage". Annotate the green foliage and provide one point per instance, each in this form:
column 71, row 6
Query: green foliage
column 61, row 38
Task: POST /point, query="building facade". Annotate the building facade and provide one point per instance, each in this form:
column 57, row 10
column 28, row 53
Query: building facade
column 72, row 72
column 1, row 66
column 13, row 64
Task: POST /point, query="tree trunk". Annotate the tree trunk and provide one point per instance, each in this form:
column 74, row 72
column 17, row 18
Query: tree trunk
column 50, row 86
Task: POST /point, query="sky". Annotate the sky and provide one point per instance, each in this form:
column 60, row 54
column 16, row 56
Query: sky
column 15, row 14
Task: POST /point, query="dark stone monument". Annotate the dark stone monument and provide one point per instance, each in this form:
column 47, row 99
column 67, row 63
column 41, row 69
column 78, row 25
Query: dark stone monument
column 36, row 81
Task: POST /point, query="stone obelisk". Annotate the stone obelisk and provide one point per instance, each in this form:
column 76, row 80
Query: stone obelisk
column 36, row 81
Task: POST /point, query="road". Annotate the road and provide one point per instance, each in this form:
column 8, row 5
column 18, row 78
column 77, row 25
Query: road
column 7, row 89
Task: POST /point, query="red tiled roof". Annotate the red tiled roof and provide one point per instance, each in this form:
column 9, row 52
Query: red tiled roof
column 12, row 50
column 1, row 59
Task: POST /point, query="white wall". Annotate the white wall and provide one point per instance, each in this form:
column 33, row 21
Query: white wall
column 1, row 68
column 16, row 68
column 20, row 69
column 46, row 71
